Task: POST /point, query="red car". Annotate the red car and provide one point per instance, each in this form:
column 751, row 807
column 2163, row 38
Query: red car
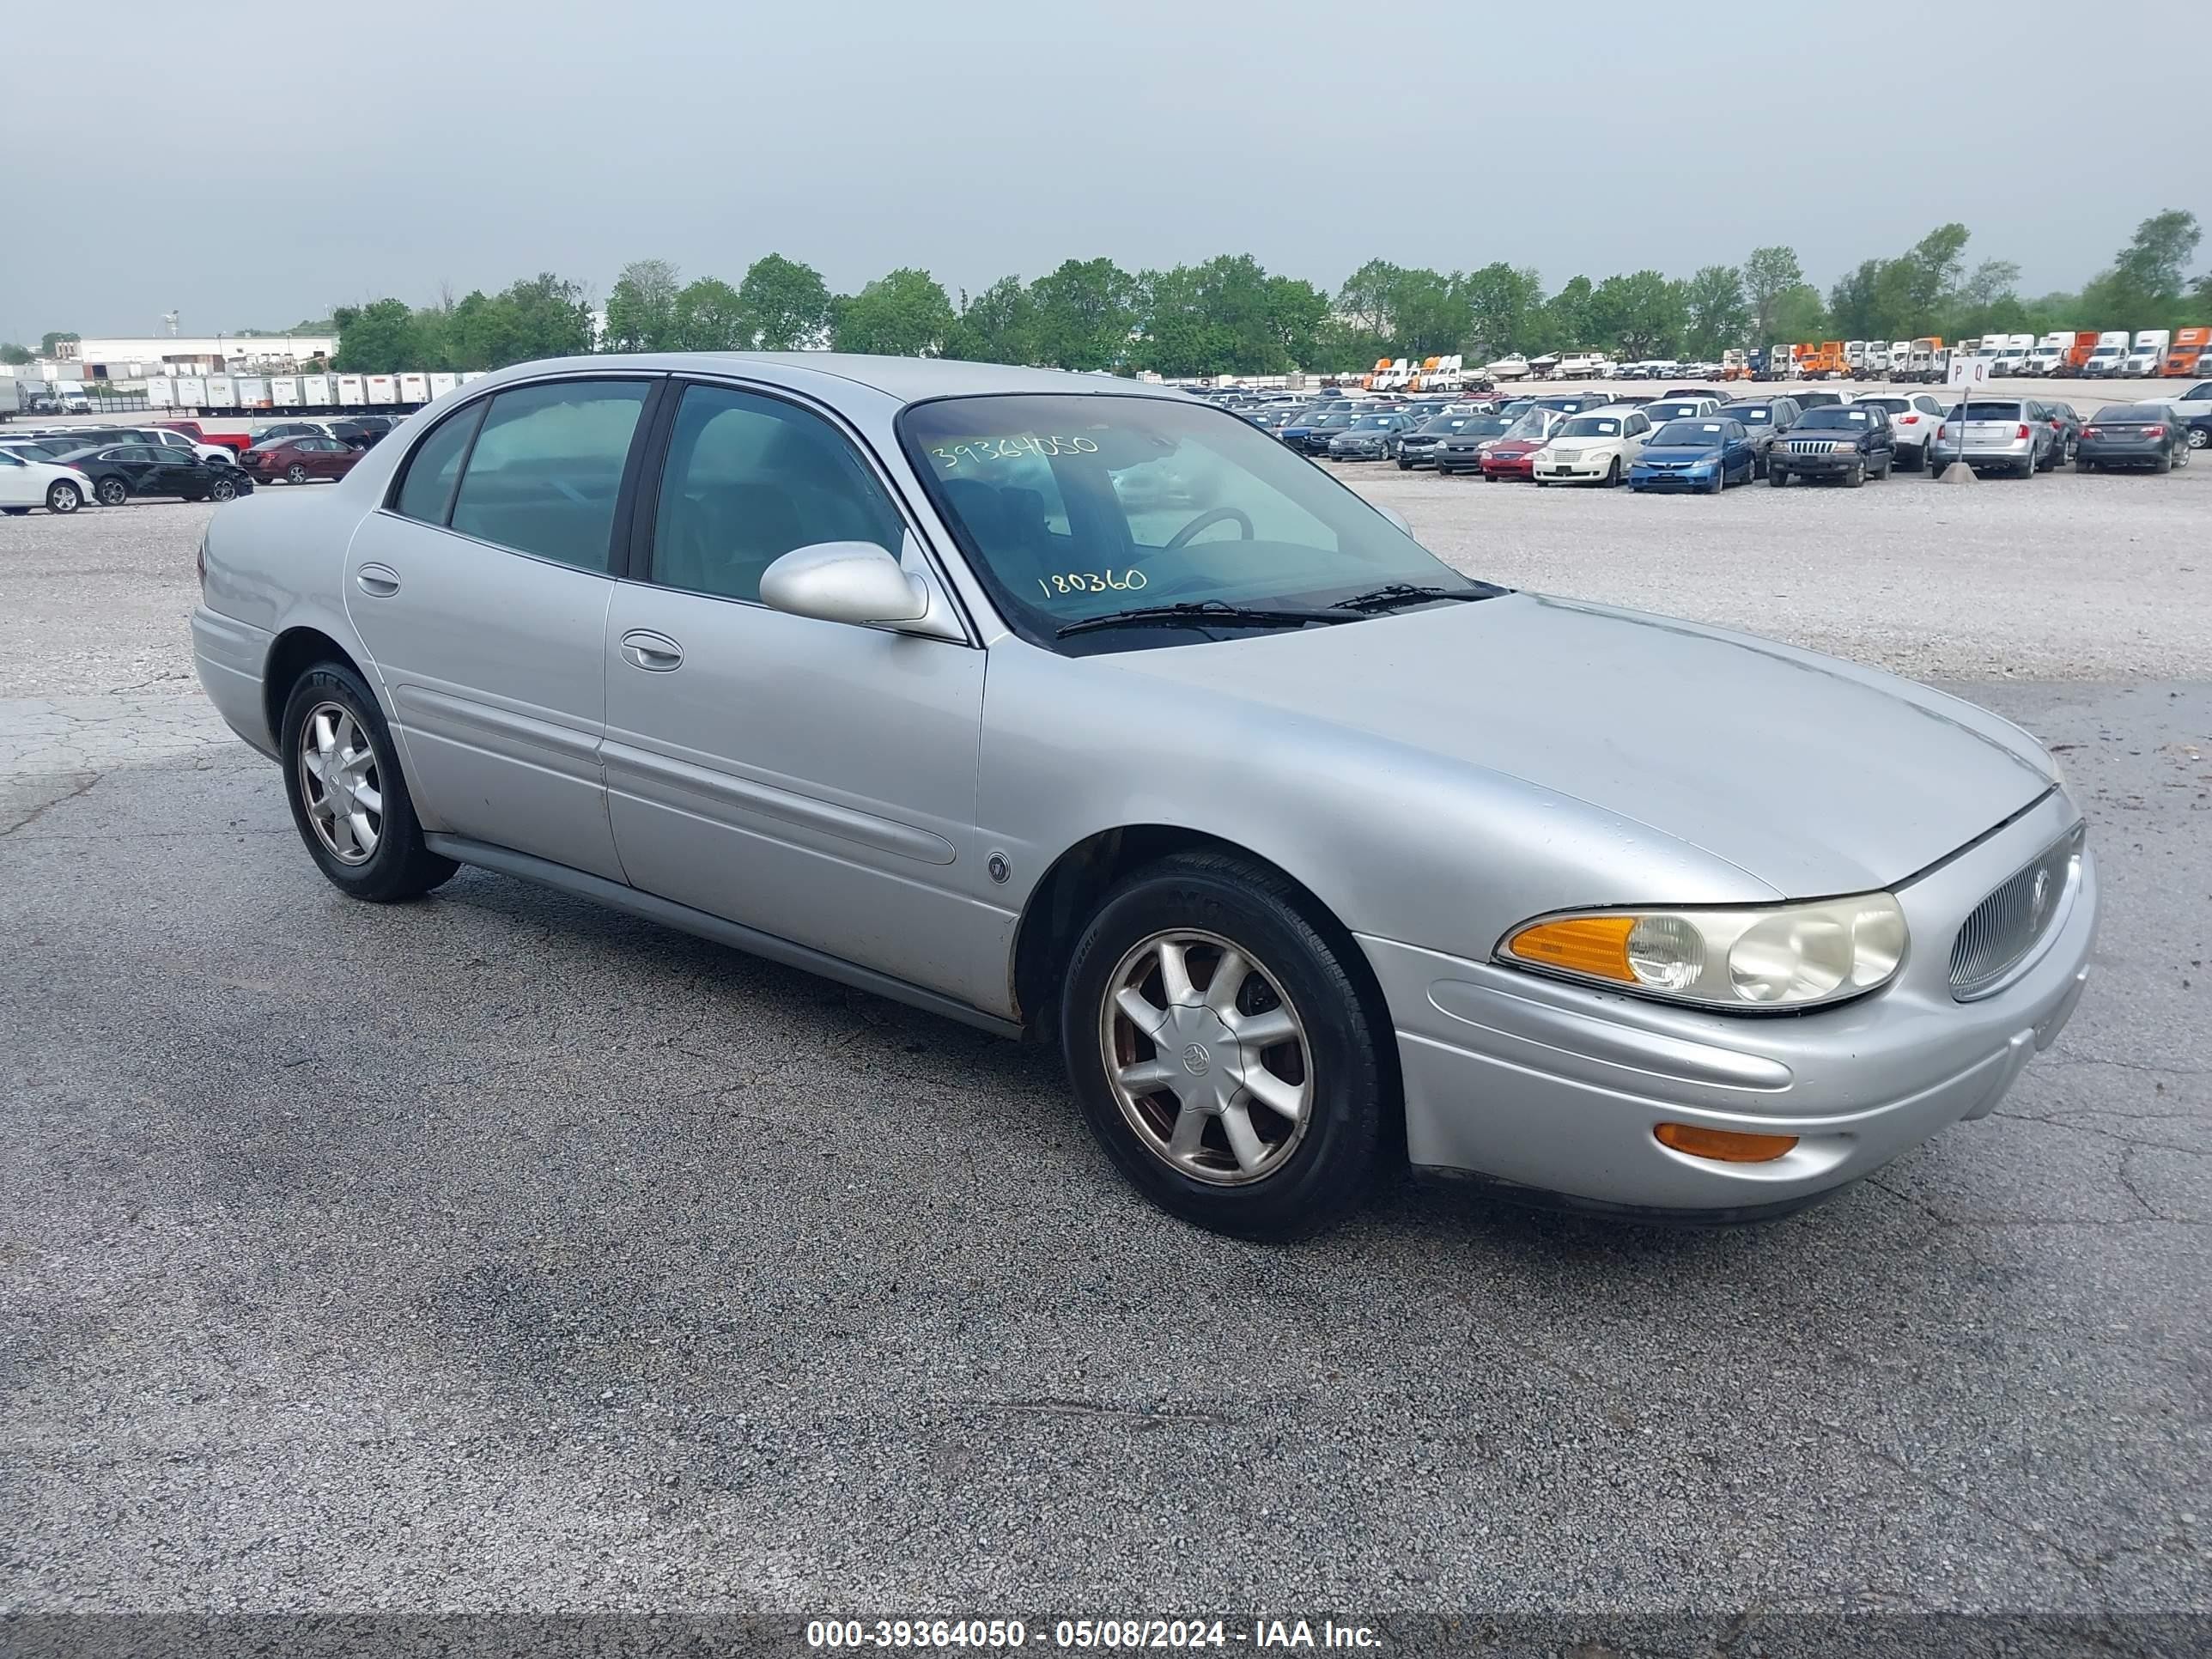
column 193, row 429
column 297, row 459
column 1514, row 455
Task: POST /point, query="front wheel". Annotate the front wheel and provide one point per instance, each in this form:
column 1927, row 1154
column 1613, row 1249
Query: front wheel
column 222, row 489
column 1222, row 1050
column 64, row 498
column 111, row 492
column 349, row 801
column 1613, row 474
column 1856, row 477
column 1776, row 475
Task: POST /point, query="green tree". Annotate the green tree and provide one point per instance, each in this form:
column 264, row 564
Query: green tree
column 1083, row 314
column 904, row 313
column 1928, row 276
column 1768, row 274
column 543, row 316
column 1503, row 308
column 1433, row 312
column 14, row 355
column 2144, row 283
column 1565, row 323
column 997, row 325
column 1719, row 316
column 1798, row 315
column 642, row 307
column 1367, row 301
column 377, row 339
column 1224, row 317
column 706, row 315
column 789, row 303
column 53, row 337
column 1296, row 313
column 1642, row 313
column 1855, row 302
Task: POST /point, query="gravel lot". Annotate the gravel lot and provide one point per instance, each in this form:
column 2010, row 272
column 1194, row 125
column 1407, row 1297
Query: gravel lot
column 498, row 1251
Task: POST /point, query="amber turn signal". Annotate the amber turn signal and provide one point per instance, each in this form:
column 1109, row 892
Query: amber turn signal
column 1722, row 1146
column 1593, row 945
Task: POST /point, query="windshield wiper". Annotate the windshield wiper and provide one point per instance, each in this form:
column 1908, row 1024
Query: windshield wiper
column 1201, row 612
column 1392, row 595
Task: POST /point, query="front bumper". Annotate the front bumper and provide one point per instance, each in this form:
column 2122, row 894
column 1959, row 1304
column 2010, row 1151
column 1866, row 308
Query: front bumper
column 1417, row 454
column 1832, row 465
column 1512, row 466
column 1645, row 478
column 1357, row 452
column 1557, row 1087
column 1580, row 469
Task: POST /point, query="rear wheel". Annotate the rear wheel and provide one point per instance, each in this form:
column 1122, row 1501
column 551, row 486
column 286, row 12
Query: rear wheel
column 2199, row 438
column 2163, row 463
column 349, row 801
column 295, row 473
column 1221, row 1050
column 111, row 492
column 64, row 498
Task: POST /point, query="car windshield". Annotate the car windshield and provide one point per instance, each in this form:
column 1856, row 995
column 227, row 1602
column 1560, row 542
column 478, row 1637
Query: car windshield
column 1072, row 507
column 1688, row 435
column 1444, row 423
column 1374, row 422
column 1532, row 423
column 1833, row 416
column 1591, row 426
column 1751, row 414
column 1488, row 426
column 1669, row 411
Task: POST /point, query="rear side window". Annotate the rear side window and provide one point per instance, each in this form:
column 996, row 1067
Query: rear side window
column 749, row 479
column 547, row 467
column 427, row 491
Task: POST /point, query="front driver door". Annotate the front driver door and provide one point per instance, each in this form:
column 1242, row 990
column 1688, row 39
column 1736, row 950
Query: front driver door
column 18, row 487
column 813, row 780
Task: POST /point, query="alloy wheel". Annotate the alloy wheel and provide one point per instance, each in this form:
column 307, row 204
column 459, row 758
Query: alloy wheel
column 111, row 492
column 2199, row 438
column 341, row 783
column 295, row 473
column 1206, row 1057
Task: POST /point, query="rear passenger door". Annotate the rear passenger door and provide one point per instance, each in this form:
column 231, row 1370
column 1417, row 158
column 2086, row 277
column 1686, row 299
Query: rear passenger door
column 481, row 586
column 813, row 780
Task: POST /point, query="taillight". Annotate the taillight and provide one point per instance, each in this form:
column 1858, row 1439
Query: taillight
column 2154, row 432
column 1908, row 420
column 2093, row 432
column 2022, row 433
column 1943, row 431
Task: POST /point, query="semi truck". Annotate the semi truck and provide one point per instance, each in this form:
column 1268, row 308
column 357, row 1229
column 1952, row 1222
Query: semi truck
column 2148, row 353
column 2049, row 352
column 2108, row 356
column 298, row 394
column 2185, row 357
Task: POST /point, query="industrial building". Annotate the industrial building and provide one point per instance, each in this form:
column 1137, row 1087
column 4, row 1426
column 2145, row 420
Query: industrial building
column 119, row 359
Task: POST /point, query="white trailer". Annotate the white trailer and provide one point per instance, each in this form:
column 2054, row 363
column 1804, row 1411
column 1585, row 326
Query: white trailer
column 253, row 392
column 414, row 388
column 284, row 390
column 442, row 382
column 315, row 390
column 161, row 392
column 382, row 390
column 352, row 394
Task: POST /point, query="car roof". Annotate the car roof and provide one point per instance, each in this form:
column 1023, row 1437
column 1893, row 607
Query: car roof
column 908, row 379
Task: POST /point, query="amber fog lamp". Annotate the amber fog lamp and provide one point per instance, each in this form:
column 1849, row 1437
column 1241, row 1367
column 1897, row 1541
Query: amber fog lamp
column 1722, row 1146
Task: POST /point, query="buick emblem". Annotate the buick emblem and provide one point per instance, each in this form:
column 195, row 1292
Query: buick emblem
column 1196, row 1060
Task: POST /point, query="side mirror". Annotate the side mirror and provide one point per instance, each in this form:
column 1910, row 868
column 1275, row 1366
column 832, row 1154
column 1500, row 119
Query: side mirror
column 1396, row 517
column 853, row 582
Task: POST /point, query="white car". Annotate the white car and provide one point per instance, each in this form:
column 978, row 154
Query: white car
column 1596, row 446
column 26, row 483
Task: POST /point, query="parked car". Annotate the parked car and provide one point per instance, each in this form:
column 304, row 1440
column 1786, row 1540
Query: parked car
column 2134, row 435
column 1597, row 448
column 29, row 481
column 262, row 435
column 1573, row 403
column 299, row 460
column 1914, row 417
column 1763, row 420
column 1419, row 446
column 1993, row 433
column 1704, row 453
column 1369, row 438
column 1548, row 950
column 2065, row 422
column 1462, row 451
column 1812, row 399
column 1311, row 436
column 199, row 434
column 1664, row 410
column 1842, row 442
column 121, row 472
column 1514, row 454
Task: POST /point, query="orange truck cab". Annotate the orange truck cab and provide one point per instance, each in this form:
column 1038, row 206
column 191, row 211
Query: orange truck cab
column 1819, row 362
column 2186, row 357
column 2085, row 341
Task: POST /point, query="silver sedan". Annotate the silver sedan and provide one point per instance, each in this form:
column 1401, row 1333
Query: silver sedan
column 1069, row 708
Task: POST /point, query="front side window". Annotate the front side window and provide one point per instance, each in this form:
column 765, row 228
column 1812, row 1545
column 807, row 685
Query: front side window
column 547, row 467
column 748, row 479
column 1076, row 506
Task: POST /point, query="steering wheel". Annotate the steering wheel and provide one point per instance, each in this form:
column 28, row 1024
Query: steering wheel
column 1212, row 515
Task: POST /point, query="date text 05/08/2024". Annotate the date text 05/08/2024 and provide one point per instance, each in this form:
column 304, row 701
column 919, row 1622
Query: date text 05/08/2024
column 1111, row 1635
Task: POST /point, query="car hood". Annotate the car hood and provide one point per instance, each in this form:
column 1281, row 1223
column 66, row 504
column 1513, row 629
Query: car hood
column 1811, row 775
column 1508, row 448
column 1676, row 454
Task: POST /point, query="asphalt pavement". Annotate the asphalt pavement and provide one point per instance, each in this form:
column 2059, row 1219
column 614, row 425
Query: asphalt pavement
column 499, row 1251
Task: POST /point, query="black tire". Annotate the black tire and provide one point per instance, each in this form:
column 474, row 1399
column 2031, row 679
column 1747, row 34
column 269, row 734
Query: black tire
column 111, row 492
column 222, row 489
column 295, row 473
column 1887, row 466
column 1778, row 478
column 64, row 498
column 2081, row 465
column 1856, row 477
column 1328, row 1170
column 400, row 866
column 2163, row 463
column 1613, row 473
column 1404, row 465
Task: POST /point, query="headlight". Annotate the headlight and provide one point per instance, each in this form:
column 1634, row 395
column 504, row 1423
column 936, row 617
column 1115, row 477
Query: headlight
column 1795, row 956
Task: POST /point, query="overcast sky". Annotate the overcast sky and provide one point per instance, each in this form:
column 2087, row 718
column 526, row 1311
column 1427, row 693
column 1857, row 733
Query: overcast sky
column 467, row 143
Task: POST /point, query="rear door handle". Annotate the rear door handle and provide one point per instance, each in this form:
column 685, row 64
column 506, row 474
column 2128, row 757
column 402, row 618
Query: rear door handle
column 654, row 653
column 378, row 580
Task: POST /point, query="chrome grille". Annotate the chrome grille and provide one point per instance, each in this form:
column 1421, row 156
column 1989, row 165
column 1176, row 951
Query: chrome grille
column 2004, row 926
column 1814, row 445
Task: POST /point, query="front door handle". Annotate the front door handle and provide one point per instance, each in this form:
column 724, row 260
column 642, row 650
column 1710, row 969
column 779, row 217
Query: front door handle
column 378, row 580
column 654, row 653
